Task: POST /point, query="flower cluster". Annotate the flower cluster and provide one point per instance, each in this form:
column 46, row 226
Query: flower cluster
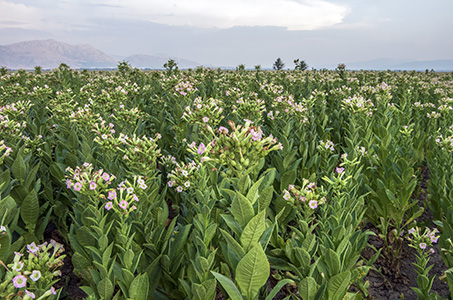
column 206, row 112
column 140, row 153
column 123, row 199
column 242, row 148
column 32, row 275
column 446, row 143
column 11, row 128
column 84, row 116
column 358, row 104
column 127, row 116
column 16, row 110
column 250, row 108
column 271, row 89
column 86, row 180
column 422, row 241
column 308, row 197
column 5, row 148
column 185, row 88
column 182, row 176
column 284, row 107
column 326, row 146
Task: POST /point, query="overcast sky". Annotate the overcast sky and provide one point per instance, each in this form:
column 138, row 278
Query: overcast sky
column 233, row 32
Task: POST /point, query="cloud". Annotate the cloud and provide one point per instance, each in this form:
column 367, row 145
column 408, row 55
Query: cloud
column 291, row 14
column 18, row 15
column 75, row 14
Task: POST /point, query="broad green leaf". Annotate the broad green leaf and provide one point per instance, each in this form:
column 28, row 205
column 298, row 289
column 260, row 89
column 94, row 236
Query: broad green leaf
column 338, row 285
column 30, row 209
column 308, row 288
column 265, row 198
column 252, row 194
column 242, row 209
column 139, row 288
column 84, row 237
column 332, row 260
column 233, row 243
column 228, row 286
column 19, row 169
column 8, row 207
column 252, row 272
column 5, row 244
column 105, row 288
column 253, row 231
column 288, row 178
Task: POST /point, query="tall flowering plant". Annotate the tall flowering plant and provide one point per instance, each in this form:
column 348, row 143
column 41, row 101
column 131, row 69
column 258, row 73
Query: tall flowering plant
column 241, row 149
column 31, row 275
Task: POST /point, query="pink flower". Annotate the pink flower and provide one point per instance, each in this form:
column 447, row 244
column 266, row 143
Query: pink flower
column 223, row 130
column 179, row 189
column 286, row 195
column 201, row 148
column 205, row 119
column 30, row 294
column 105, row 176
column 68, row 184
column 20, row 281
column 108, row 205
column 339, row 170
column 123, row 204
column 187, row 184
column 422, row 245
column 35, row 275
column 53, row 291
column 77, row 186
column 93, row 185
column 313, row 204
column 170, row 183
column 32, row 248
column 112, row 195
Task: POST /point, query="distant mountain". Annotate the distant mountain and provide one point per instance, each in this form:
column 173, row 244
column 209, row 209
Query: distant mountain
column 143, row 61
column 50, row 53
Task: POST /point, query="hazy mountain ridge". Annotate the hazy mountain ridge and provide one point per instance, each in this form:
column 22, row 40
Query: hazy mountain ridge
column 50, row 54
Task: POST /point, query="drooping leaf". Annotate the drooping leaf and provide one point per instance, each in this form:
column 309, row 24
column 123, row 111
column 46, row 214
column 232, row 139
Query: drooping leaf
column 228, row 286
column 242, row 209
column 338, row 285
column 105, row 288
column 308, row 288
column 253, row 231
column 252, row 272
column 30, row 209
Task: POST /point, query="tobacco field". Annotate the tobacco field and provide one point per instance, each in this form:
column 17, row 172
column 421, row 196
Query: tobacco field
column 207, row 184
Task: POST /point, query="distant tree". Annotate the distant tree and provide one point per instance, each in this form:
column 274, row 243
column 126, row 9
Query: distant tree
column 278, row 64
column 258, row 68
column 38, row 70
column 171, row 66
column 300, row 65
column 241, row 67
column 124, row 68
column 3, row 70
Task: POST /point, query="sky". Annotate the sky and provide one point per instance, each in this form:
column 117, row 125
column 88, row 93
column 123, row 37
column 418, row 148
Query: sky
column 233, row 32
